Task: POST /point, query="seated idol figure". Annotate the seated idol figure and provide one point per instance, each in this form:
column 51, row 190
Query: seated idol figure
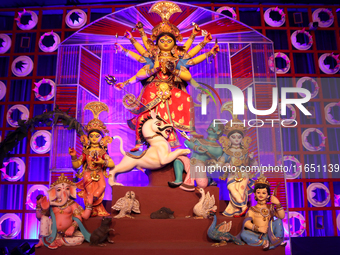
column 259, row 227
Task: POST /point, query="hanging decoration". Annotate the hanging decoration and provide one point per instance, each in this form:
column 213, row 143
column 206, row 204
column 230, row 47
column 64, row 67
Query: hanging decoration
column 54, row 46
column 5, row 43
column 34, row 188
column 316, row 86
column 50, row 95
column 302, row 220
column 227, row 8
column 24, row 116
column 47, row 138
column 3, row 90
column 338, row 221
column 311, row 193
column 296, row 171
column 329, row 116
column 326, row 23
column 20, row 166
column 76, row 18
column 307, row 145
column 299, row 46
column 272, row 66
column 326, row 68
column 293, row 117
column 31, row 23
column 22, row 66
column 16, row 226
column 270, row 21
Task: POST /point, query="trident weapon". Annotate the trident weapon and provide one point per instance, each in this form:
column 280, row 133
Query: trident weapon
column 111, row 80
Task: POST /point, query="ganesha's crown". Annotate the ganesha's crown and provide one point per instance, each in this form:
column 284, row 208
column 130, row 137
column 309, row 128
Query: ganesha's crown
column 62, row 179
column 96, row 124
column 262, row 180
column 165, row 9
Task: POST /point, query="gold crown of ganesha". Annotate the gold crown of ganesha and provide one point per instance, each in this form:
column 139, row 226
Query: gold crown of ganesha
column 165, row 9
column 62, row 179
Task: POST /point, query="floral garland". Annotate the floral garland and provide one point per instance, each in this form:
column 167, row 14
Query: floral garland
column 81, row 21
column 21, row 169
column 298, row 167
column 227, row 8
column 50, row 95
column 307, row 145
column 293, row 117
column 316, row 86
column 34, row 188
column 31, row 23
column 311, row 194
column 270, row 21
column 299, row 46
column 271, row 63
column 25, row 66
column 6, row 44
column 326, row 68
column 17, row 226
column 329, row 116
column 48, row 142
column 326, row 23
column 302, row 220
column 52, row 47
column 24, row 115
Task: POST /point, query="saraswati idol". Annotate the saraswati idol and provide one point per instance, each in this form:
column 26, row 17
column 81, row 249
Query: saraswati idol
column 165, row 74
column 94, row 160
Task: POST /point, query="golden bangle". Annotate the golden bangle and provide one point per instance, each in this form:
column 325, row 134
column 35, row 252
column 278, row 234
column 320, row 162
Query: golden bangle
column 75, row 224
column 192, row 37
column 202, row 44
column 142, row 33
column 74, row 157
column 133, row 40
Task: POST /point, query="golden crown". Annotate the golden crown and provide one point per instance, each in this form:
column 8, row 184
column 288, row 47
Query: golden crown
column 165, row 9
column 62, row 179
column 233, row 126
column 262, row 180
column 96, row 124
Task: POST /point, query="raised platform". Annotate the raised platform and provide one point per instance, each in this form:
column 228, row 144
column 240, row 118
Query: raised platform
column 153, row 198
column 157, row 248
column 181, row 235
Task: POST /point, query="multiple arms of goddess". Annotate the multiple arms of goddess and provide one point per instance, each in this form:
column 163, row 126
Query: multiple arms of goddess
column 145, row 72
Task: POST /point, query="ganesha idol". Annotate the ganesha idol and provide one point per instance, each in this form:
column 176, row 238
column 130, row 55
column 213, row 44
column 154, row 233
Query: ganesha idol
column 61, row 217
column 94, row 160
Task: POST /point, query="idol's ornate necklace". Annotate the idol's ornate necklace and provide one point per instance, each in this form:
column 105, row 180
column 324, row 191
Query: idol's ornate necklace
column 62, row 208
column 263, row 211
column 165, row 54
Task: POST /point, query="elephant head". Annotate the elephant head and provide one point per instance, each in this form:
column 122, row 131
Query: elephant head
column 61, row 190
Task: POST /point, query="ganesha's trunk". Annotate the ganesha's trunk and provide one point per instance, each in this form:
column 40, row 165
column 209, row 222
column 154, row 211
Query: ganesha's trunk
column 63, row 201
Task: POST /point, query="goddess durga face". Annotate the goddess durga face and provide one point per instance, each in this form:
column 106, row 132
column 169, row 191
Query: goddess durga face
column 166, row 42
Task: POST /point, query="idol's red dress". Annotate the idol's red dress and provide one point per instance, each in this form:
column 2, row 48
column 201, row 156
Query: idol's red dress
column 167, row 96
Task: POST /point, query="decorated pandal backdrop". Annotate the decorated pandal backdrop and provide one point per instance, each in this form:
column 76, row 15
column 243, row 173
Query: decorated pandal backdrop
column 246, row 59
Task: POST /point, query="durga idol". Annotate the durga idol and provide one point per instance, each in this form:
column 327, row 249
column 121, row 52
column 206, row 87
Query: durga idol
column 165, row 74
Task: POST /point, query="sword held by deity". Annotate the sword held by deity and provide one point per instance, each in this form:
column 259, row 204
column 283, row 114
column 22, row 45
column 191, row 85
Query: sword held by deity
column 111, row 80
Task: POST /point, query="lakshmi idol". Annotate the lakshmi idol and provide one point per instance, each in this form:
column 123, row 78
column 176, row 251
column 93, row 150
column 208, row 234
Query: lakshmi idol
column 165, row 74
column 94, row 160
